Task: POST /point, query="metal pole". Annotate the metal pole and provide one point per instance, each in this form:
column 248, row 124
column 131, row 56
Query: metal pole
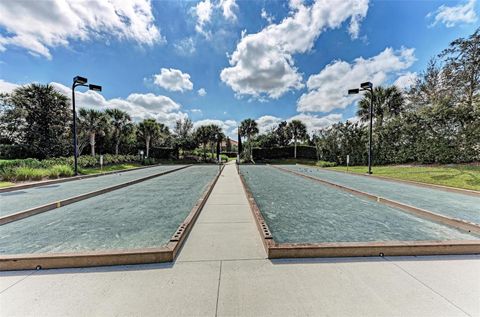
column 75, row 154
column 370, row 134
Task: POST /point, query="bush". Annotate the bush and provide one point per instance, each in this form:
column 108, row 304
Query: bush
column 28, row 173
column 57, row 171
column 230, row 154
column 325, row 164
column 163, row 153
column 15, row 151
column 303, row 151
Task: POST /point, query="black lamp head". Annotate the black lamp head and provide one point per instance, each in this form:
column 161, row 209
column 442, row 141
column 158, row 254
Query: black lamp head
column 366, row 85
column 80, row 80
column 353, row 91
column 95, row 87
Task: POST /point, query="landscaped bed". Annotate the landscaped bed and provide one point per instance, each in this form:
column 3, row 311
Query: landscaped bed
column 140, row 223
column 305, row 214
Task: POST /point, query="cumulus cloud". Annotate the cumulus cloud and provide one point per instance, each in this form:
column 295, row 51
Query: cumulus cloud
column 229, row 127
column 201, row 92
column 327, row 90
column 267, row 123
column 228, row 7
column 173, row 80
column 204, row 11
column 139, row 106
column 451, row 16
column 39, row 26
column 6, row 87
column 315, row 122
column 185, row 47
column 406, row 80
column 268, row 17
column 263, row 64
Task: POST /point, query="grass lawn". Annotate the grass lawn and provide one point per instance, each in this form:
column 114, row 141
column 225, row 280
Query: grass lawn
column 109, row 168
column 5, row 184
column 460, row 176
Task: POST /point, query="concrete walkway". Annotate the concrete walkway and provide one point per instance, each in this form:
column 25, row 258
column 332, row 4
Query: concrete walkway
column 222, row 271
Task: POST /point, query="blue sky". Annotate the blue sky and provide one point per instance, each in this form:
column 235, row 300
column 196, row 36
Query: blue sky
column 268, row 60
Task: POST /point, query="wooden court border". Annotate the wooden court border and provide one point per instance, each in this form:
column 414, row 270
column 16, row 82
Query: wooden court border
column 111, row 257
column 276, row 250
column 461, row 224
column 60, row 203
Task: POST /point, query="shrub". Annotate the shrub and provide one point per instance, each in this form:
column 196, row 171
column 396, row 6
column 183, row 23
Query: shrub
column 16, row 151
column 230, row 154
column 57, row 171
column 28, row 173
column 163, row 153
column 325, row 164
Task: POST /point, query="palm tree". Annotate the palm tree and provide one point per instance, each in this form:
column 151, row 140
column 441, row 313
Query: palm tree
column 203, row 136
column 93, row 123
column 120, row 121
column 299, row 131
column 248, row 128
column 215, row 135
column 149, row 130
column 387, row 102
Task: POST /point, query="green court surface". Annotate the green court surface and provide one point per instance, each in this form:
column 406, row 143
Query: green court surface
column 299, row 210
column 450, row 204
column 18, row 200
column 143, row 215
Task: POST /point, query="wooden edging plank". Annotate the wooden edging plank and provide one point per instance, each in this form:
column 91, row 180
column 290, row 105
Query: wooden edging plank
column 57, row 204
column 73, row 178
column 355, row 249
column 425, row 214
column 110, row 257
column 449, row 189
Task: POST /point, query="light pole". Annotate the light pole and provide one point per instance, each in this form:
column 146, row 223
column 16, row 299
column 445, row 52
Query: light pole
column 367, row 86
column 79, row 81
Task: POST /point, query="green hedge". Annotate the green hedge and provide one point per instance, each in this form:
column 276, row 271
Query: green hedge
column 15, row 151
column 229, row 154
column 83, row 161
column 303, row 151
column 163, row 153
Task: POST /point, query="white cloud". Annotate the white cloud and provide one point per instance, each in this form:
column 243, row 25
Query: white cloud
column 203, row 11
column 229, row 127
column 228, row 7
column 406, row 80
column 450, row 16
column 263, row 64
column 6, row 87
column 199, row 111
column 315, row 123
column 40, row 25
column 327, row 90
column 267, row 123
column 185, row 47
column 268, row 17
column 173, row 80
column 139, row 106
column 202, row 92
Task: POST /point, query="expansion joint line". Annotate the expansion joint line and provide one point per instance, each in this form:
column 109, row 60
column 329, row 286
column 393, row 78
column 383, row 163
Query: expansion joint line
column 218, row 287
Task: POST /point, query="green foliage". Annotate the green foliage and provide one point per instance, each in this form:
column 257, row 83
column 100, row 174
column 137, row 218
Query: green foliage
column 163, row 153
column 325, row 164
column 303, row 151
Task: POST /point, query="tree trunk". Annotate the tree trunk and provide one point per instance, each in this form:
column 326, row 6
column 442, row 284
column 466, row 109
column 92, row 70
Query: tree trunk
column 295, row 147
column 147, row 144
column 205, row 152
column 92, row 144
column 249, row 147
column 116, row 147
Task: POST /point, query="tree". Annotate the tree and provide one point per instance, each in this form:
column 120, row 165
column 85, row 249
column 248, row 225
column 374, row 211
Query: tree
column 121, row 124
column 216, row 135
column 387, row 102
column 149, row 130
column 283, row 134
column 249, row 128
column 92, row 122
column 228, row 145
column 203, row 137
column 38, row 116
column 298, row 130
column 462, row 67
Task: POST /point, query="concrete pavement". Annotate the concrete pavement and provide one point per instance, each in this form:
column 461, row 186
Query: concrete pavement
column 222, row 271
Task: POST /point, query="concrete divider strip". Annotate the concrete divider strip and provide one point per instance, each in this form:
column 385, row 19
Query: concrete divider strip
column 36, row 210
